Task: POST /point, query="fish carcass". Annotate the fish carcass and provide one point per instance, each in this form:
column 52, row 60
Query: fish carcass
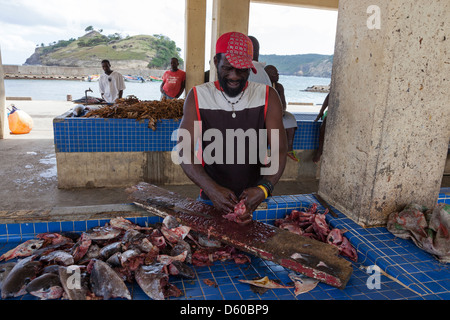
column 312, row 224
column 22, row 250
column 105, row 282
column 47, row 286
column 17, row 279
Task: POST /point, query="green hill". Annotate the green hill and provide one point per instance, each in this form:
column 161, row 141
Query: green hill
column 141, row 51
column 308, row 65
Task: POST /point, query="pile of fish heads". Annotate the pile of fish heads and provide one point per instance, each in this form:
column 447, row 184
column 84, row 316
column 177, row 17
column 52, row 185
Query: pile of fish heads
column 96, row 264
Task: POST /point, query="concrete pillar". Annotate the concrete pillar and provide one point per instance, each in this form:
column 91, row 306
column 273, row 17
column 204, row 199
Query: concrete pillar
column 195, row 42
column 389, row 122
column 227, row 16
column 4, row 128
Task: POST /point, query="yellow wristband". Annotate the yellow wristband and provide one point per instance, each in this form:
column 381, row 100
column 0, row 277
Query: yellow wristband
column 264, row 190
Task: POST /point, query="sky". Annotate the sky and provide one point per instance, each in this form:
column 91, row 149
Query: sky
column 281, row 30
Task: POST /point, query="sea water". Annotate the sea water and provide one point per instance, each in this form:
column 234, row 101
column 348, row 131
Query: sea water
column 294, row 87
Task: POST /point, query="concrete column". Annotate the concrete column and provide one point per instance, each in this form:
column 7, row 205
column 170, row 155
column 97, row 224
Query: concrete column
column 195, row 42
column 389, row 122
column 4, row 128
column 227, row 16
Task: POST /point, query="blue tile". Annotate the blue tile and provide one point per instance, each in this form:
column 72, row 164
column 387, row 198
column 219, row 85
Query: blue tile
column 13, row 229
column 80, row 226
column 27, row 228
column 92, row 224
column 435, row 287
column 41, row 227
column 54, row 227
column 67, row 226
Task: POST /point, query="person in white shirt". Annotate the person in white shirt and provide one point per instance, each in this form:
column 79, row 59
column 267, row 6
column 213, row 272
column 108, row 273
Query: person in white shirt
column 111, row 83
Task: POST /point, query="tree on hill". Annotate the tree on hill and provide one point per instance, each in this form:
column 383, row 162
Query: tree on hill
column 90, row 28
column 166, row 49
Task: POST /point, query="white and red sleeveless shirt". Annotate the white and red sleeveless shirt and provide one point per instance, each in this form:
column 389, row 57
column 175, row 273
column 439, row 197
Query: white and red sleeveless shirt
column 215, row 112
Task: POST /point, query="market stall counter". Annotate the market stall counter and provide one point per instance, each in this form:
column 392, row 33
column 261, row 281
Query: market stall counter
column 131, row 141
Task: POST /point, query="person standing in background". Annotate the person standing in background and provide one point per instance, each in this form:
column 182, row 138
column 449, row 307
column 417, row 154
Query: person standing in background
column 322, row 115
column 174, row 81
column 111, row 83
column 260, row 76
column 289, row 121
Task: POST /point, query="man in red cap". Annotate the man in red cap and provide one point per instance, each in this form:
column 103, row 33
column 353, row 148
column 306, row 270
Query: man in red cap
column 231, row 105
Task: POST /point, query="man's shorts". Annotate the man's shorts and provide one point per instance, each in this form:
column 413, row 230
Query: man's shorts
column 289, row 120
column 165, row 96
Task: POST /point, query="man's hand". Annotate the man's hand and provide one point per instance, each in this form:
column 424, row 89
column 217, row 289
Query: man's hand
column 320, row 115
column 252, row 197
column 223, row 199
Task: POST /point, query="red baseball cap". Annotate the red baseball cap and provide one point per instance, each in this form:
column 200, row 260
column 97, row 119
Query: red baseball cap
column 238, row 49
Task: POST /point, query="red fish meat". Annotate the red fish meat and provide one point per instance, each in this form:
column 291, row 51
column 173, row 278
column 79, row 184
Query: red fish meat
column 239, row 210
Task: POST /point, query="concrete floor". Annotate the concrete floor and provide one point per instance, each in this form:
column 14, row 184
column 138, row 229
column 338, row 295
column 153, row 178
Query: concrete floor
column 29, row 177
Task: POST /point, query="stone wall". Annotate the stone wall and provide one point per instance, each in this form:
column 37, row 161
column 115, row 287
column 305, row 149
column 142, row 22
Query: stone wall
column 53, row 72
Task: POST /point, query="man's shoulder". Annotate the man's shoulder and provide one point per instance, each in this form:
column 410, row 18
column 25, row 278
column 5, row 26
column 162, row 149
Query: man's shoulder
column 206, row 85
column 181, row 73
column 257, row 85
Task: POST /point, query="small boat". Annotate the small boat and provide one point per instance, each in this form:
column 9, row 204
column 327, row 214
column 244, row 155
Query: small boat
column 152, row 78
column 130, row 78
column 92, row 78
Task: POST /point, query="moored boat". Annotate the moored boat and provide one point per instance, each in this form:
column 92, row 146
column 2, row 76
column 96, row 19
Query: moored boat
column 152, row 78
column 92, row 78
column 130, row 78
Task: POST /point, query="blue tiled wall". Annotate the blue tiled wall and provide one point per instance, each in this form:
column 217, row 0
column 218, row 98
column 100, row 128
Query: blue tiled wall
column 112, row 135
column 129, row 135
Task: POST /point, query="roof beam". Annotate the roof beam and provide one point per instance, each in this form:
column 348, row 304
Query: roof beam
column 313, row 4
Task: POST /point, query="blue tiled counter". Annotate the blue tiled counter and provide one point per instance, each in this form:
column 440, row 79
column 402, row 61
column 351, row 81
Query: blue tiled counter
column 406, row 272
column 98, row 152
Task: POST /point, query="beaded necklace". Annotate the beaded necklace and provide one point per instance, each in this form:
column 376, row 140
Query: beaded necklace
column 232, row 103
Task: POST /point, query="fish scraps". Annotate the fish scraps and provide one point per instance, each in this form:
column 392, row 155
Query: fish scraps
column 133, row 108
column 312, row 224
column 98, row 263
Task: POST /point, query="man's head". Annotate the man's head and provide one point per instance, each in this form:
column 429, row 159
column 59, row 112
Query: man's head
column 255, row 48
column 174, row 64
column 233, row 60
column 106, row 66
column 272, row 72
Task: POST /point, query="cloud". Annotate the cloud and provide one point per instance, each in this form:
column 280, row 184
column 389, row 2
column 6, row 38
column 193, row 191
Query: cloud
column 44, row 21
column 293, row 30
column 280, row 29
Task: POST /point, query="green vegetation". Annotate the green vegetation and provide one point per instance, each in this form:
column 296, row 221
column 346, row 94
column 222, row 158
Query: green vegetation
column 154, row 51
column 315, row 65
column 166, row 49
column 56, row 45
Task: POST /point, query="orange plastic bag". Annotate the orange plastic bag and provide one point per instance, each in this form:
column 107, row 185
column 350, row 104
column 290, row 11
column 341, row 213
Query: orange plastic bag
column 19, row 121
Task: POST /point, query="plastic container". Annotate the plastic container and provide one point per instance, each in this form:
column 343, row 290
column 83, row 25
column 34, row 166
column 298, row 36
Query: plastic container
column 19, row 121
